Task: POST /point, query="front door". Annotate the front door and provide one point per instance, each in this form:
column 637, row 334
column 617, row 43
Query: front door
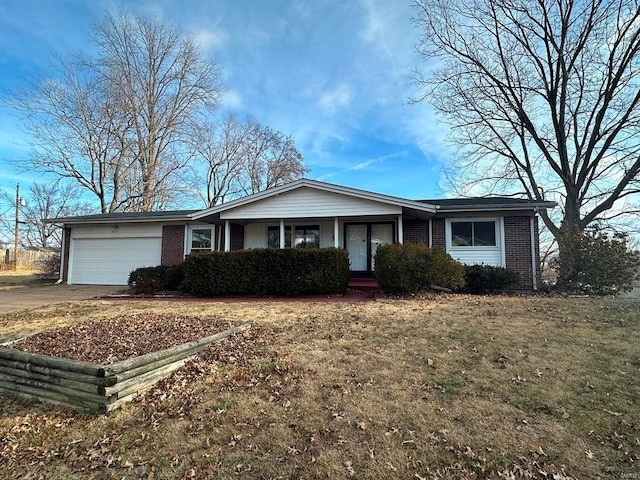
column 362, row 240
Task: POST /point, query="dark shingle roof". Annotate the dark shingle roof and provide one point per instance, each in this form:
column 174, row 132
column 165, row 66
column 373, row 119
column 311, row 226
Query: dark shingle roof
column 480, row 201
column 102, row 217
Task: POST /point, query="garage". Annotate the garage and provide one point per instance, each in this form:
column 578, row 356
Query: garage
column 97, row 260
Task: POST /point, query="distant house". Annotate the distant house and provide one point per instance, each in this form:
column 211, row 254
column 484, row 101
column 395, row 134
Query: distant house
column 103, row 249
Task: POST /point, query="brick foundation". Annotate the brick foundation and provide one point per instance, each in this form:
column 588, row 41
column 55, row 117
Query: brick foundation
column 438, row 236
column 415, row 231
column 172, row 244
column 517, row 244
column 65, row 259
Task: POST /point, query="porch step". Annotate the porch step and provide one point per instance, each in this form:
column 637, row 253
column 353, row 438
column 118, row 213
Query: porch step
column 364, row 284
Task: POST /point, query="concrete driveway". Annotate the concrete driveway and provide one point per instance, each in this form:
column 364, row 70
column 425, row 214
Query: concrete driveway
column 21, row 297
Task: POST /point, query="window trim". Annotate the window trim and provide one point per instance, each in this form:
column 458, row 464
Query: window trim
column 189, row 243
column 498, row 234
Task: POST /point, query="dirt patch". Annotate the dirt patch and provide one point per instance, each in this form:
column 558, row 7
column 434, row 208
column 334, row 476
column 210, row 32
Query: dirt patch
column 109, row 341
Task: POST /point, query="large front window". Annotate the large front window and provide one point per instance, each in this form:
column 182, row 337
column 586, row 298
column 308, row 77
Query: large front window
column 473, row 234
column 299, row 236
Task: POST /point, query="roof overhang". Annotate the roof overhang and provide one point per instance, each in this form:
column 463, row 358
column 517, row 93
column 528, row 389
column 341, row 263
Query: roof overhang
column 137, row 217
column 535, row 206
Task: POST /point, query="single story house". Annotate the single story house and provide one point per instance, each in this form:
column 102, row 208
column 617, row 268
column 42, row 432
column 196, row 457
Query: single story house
column 103, row 249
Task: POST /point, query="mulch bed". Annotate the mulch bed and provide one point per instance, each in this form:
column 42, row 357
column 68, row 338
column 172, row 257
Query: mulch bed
column 108, row 341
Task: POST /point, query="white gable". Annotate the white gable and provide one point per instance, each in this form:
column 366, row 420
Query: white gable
column 309, row 202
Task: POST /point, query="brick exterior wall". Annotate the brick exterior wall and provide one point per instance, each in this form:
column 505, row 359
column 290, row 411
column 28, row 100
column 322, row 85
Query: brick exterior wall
column 517, row 244
column 438, row 236
column 65, row 259
column 415, row 231
column 237, row 236
column 172, row 244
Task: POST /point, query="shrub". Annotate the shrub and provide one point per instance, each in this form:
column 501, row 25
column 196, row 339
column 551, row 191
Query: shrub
column 412, row 267
column 49, row 265
column 267, row 271
column 155, row 279
column 488, row 279
column 595, row 262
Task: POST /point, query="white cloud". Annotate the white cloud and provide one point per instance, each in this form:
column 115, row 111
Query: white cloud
column 232, row 100
column 211, row 39
column 333, row 100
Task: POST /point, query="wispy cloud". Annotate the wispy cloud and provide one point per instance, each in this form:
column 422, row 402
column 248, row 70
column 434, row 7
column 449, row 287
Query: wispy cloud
column 211, row 40
column 232, row 100
column 335, row 99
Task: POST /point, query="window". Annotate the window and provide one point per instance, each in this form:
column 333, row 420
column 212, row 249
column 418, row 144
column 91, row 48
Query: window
column 201, row 239
column 273, row 237
column 304, row 236
column 307, row 236
column 473, row 234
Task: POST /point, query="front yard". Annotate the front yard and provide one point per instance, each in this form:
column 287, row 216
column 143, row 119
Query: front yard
column 444, row 387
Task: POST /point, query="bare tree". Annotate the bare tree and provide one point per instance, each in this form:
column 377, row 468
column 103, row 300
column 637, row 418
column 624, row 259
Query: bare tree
column 77, row 131
column 118, row 122
column 242, row 157
column 271, row 159
column 44, row 200
column 543, row 97
column 163, row 82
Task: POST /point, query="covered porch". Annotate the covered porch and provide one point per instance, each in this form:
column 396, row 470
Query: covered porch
column 310, row 214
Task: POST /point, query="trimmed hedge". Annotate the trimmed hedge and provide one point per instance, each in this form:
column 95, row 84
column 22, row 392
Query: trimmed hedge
column 267, row 271
column 413, row 267
column 154, row 279
column 487, row 279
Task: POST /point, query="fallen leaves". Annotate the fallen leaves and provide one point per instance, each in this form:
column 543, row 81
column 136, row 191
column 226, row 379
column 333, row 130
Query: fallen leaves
column 110, row 340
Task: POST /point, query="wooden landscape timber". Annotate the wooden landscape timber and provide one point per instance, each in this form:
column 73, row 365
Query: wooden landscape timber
column 89, row 386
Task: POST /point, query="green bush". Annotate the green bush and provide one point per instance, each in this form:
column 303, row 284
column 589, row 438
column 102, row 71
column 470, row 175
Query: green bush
column 595, row 262
column 487, row 279
column 412, row 267
column 155, row 279
column 267, row 271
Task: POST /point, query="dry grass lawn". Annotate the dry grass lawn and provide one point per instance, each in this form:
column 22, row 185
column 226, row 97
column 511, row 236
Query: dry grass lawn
column 442, row 387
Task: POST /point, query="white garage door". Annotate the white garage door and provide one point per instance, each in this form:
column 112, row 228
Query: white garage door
column 108, row 261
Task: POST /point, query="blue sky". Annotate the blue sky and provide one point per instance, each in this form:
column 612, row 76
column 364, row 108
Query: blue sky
column 333, row 74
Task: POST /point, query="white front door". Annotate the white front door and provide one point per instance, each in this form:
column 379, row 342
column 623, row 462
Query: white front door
column 362, row 241
column 356, row 245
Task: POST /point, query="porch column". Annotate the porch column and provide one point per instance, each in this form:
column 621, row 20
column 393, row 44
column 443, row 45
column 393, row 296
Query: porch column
column 282, row 233
column 227, row 235
column 400, row 232
column 336, row 233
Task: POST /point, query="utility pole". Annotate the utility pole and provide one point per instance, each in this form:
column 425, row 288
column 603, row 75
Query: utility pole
column 16, row 245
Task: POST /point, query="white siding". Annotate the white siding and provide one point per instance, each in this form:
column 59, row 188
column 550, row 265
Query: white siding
column 122, row 231
column 309, row 203
column 255, row 235
column 475, row 255
column 326, row 234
